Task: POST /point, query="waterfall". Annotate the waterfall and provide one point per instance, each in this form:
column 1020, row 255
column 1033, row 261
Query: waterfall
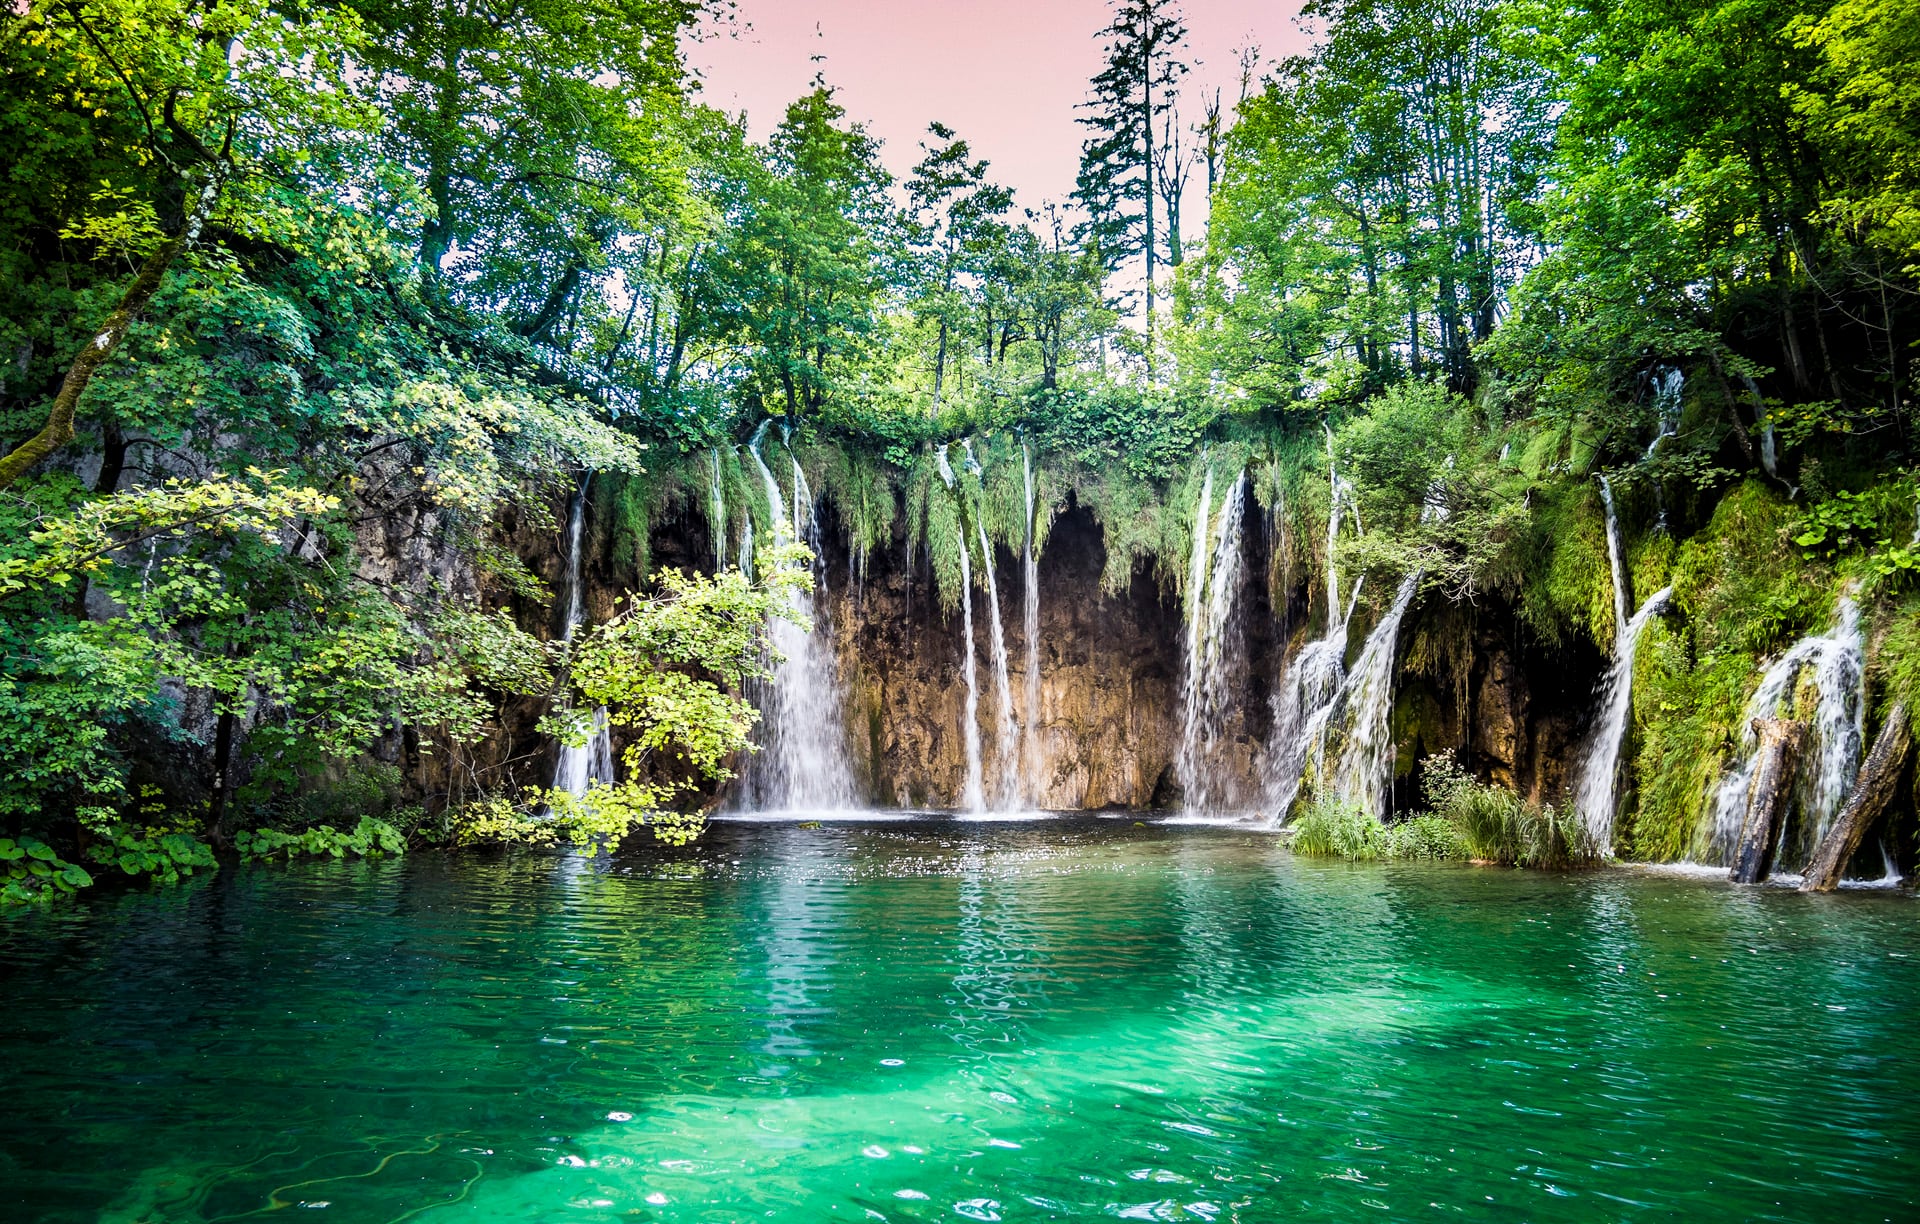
column 974, row 797
column 1837, row 662
column 1366, row 761
column 1600, row 765
column 804, row 764
column 1333, row 535
column 1668, row 384
column 1032, row 786
column 1007, row 733
column 717, row 511
column 1310, row 688
column 1195, row 628
column 1210, row 657
column 1621, row 596
column 577, row 769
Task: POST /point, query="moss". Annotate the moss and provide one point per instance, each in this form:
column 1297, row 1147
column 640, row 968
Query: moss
column 1564, row 576
column 1743, row 593
column 1894, row 670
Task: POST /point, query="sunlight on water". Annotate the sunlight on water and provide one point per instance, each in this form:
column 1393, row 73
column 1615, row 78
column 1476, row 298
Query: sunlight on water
column 922, row 1018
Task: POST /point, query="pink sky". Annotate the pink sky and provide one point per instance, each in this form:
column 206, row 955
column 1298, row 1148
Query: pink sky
column 1005, row 74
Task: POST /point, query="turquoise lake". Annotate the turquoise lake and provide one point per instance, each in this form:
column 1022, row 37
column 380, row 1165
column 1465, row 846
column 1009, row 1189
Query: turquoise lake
column 927, row 1019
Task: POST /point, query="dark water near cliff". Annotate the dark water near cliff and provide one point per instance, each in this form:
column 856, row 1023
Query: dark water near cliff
column 940, row 1021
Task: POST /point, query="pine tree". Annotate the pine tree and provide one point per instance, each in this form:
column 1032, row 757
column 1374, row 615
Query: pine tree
column 1131, row 97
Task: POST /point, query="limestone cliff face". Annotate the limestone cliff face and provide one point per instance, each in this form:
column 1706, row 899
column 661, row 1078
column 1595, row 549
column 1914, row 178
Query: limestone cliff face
column 1109, row 678
column 1111, row 669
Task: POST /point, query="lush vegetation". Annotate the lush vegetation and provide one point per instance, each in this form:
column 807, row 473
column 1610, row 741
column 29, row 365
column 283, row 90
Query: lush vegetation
column 1464, row 819
column 316, row 316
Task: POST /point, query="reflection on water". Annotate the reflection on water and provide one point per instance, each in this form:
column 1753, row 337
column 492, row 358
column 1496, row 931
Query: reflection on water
column 927, row 1019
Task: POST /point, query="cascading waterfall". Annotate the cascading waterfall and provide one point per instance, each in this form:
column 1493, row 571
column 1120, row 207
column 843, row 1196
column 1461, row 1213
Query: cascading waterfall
column 577, row 768
column 717, row 509
column 1366, row 759
column 1196, row 614
column 1836, row 660
column 1621, row 596
column 1600, row 764
column 1210, row 627
column 1007, row 731
column 804, row 764
column 1310, row 688
column 1032, row 786
column 974, row 797
column 1668, row 385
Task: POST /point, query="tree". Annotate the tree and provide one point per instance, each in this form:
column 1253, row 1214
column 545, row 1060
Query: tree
column 167, row 106
column 954, row 212
column 1120, row 167
column 812, row 255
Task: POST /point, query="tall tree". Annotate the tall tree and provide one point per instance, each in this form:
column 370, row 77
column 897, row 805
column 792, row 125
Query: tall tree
column 955, row 210
column 1132, row 96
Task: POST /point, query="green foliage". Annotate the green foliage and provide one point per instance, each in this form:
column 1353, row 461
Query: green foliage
column 1497, row 826
column 371, row 838
column 1329, row 828
column 1880, row 526
column 164, row 855
column 31, row 872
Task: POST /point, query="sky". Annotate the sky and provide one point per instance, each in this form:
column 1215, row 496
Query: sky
column 1004, row 74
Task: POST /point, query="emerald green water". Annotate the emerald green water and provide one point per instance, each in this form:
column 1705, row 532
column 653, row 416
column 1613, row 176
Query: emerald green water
column 942, row 1021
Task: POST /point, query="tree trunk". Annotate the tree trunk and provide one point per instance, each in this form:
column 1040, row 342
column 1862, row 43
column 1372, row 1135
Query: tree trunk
column 58, row 431
column 1879, row 775
column 1767, row 798
column 222, row 763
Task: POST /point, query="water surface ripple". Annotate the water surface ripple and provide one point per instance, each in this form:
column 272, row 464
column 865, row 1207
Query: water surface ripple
column 936, row 1020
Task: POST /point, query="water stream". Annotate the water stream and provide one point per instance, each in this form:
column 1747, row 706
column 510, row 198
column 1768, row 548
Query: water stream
column 717, row 510
column 577, row 768
column 1032, row 769
column 1310, row 687
column 803, row 765
column 1367, row 752
column 973, row 796
column 1006, row 727
column 1828, row 670
column 1594, row 796
column 1214, row 657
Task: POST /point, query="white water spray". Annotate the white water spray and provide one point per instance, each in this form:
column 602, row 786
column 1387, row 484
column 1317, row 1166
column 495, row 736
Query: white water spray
column 1836, row 663
column 1031, row 783
column 1310, row 688
column 1366, row 759
column 577, row 768
column 974, row 792
column 1594, row 795
column 974, row 797
column 804, row 763
column 1621, row 595
column 1196, row 614
column 1211, row 656
column 1668, row 384
column 1006, row 730
column 717, row 510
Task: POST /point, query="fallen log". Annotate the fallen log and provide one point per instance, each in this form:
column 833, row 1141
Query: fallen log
column 1767, row 798
column 1872, row 791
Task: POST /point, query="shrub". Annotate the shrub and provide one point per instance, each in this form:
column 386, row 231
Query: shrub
column 1427, row 836
column 371, row 838
column 1501, row 827
column 1331, row 828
